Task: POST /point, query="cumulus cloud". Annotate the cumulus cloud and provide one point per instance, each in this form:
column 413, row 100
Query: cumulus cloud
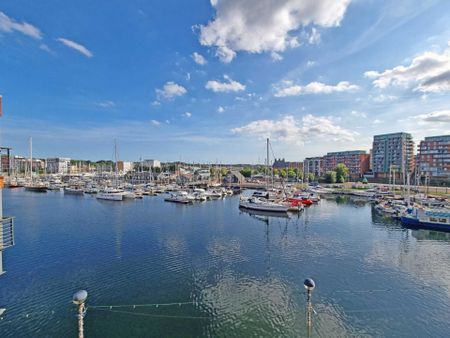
column 199, row 59
column 76, row 46
column 170, row 91
column 296, row 131
column 427, row 72
column 440, row 116
column 288, row 88
column 228, row 85
column 220, row 109
column 155, row 123
column 187, row 114
column 258, row 26
column 9, row 25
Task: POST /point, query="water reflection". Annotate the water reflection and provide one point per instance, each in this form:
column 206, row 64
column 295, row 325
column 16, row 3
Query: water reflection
column 244, row 269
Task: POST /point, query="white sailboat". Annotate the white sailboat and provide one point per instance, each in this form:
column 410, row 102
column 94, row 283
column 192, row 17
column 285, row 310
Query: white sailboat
column 113, row 194
column 31, row 186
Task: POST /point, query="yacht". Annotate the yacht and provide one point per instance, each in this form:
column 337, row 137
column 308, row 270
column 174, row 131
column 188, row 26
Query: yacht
column 180, row 197
column 110, row 195
column 255, row 203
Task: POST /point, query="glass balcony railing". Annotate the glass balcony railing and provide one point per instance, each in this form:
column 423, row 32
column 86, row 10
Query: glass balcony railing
column 6, row 232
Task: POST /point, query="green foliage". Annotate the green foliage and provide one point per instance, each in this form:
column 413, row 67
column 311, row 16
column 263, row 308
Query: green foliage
column 311, row 177
column 291, row 173
column 342, row 173
column 330, row 177
column 246, row 172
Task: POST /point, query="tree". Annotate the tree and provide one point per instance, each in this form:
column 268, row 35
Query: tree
column 291, row 173
column 330, row 177
column 311, row 177
column 283, row 173
column 342, row 173
column 246, row 172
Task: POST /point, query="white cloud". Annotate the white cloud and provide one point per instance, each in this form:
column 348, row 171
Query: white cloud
column 106, row 104
column 199, row 59
column 427, row 72
column 440, row 116
column 46, row 48
column 288, row 88
column 383, row 98
column 170, row 90
column 297, row 131
column 377, row 121
column 187, row 114
column 358, row 114
column 310, row 63
column 76, row 46
column 155, row 123
column 228, row 85
column 220, row 109
column 258, row 26
column 276, row 56
column 9, row 25
column 314, row 37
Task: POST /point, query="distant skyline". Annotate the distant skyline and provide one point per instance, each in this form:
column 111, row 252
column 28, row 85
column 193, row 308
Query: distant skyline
column 202, row 81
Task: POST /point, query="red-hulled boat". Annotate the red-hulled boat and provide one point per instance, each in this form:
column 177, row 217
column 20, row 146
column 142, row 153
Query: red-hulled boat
column 300, row 200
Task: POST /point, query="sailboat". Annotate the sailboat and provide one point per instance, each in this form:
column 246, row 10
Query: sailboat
column 114, row 194
column 260, row 204
column 35, row 187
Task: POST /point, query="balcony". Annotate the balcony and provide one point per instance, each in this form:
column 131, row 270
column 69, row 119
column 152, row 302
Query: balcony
column 6, row 232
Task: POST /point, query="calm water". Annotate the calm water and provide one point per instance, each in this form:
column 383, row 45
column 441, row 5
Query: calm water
column 243, row 273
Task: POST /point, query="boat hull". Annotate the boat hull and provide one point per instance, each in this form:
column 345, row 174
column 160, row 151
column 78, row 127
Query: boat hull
column 263, row 207
column 36, row 189
column 416, row 223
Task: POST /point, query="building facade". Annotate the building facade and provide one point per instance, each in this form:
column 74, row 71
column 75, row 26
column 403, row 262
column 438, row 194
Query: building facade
column 392, row 151
column 357, row 162
column 58, row 165
column 313, row 165
column 283, row 164
column 124, row 167
column 152, row 163
column 434, row 157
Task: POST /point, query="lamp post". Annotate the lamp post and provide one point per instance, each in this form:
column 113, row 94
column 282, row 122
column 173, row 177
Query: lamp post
column 79, row 298
column 309, row 285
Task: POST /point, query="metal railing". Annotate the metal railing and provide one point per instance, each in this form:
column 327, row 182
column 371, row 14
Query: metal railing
column 6, row 232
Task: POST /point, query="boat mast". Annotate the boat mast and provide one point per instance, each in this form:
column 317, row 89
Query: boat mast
column 267, row 167
column 31, row 159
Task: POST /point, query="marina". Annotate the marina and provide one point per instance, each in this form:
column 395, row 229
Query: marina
column 217, row 261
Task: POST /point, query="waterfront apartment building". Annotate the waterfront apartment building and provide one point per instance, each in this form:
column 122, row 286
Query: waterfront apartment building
column 357, row 162
column 434, row 157
column 152, row 163
column 20, row 165
column 313, row 165
column 283, row 164
column 58, row 165
column 124, row 167
column 392, row 151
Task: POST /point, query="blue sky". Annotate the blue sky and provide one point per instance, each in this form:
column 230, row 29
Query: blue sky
column 208, row 81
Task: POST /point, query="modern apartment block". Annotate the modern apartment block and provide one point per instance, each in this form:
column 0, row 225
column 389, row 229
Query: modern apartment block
column 58, row 165
column 357, row 162
column 392, row 151
column 434, row 157
column 313, row 165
